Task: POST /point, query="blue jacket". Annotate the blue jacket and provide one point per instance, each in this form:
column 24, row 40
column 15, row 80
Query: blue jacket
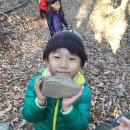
column 55, row 20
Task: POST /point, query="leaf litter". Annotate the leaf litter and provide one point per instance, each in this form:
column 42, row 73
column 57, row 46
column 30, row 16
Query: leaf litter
column 22, row 41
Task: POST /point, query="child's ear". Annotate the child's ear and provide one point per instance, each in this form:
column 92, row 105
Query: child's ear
column 81, row 67
column 46, row 61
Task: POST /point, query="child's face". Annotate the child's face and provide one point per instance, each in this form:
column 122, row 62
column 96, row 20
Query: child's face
column 62, row 62
column 56, row 5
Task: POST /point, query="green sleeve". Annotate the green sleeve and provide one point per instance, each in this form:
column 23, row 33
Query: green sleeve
column 78, row 118
column 31, row 112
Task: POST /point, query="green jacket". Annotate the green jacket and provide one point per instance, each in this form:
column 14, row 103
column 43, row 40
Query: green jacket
column 51, row 116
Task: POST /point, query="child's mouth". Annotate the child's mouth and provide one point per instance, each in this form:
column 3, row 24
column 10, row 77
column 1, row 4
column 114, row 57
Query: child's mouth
column 63, row 73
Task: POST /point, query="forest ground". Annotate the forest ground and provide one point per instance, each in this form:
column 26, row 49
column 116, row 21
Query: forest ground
column 107, row 44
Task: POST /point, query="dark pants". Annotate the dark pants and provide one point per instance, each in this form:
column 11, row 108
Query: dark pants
column 42, row 13
column 108, row 125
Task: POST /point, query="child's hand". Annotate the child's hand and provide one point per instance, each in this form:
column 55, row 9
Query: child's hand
column 67, row 28
column 52, row 33
column 67, row 102
column 41, row 98
column 125, row 125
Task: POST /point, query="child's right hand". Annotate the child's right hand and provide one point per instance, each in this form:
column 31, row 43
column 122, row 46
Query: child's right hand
column 41, row 98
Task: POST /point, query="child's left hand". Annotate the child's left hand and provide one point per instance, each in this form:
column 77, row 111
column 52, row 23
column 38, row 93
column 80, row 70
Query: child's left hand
column 67, row 28
column 67, row 102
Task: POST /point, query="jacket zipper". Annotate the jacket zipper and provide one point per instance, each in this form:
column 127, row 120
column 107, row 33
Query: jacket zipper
column 55, row 114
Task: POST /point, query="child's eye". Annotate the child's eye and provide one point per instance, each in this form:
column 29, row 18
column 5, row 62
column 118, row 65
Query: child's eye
column 56, row 57
column 72, row 58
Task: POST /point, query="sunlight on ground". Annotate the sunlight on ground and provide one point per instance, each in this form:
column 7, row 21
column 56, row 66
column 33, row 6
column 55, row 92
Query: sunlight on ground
column 110, row 27
column 82, row 13
column 117, row 111
column 106, row 22
column 114, row 32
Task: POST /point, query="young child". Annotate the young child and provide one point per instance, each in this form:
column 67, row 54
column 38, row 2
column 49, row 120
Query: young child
column 65, row 56
column 55, row 17
column 43, row 5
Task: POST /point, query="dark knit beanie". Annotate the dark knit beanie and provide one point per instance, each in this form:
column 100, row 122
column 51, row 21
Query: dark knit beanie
column 68, row 40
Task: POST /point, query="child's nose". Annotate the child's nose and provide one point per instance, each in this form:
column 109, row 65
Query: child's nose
column 64, row 63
